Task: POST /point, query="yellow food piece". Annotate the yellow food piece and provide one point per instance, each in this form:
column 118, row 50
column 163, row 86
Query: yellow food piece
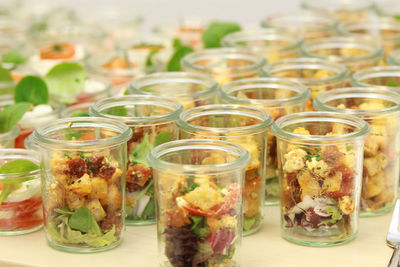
column 373, row 186
column 332, row 183
column 226, row 221
column 82, row 186
column 309, row 185
column 294, row 160
column 301, row 130
column 371, row 106
column 375, row 164
column 99, row 189
column 252, row 196
column 319, row 168
column 113, row 202
column 250, row 144
column 97, row 210
column 375, row 140
column 74, row 201
column 204, row 197
column 341, row 106
column 346, row 205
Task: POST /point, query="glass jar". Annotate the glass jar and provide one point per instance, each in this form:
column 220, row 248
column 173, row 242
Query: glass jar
column 385, row 31
column 198, row 185
column 388, row 8
column 309, row 25
column 245, row 126
column 343, row 10
column 189, row 89
column 153, row 122
column 317, row 74
column 381, row 109
column 353, row 52
column 78, row 110
column 83, row 163
column 20, row 198
column 320, row 167
column 274, row 44
column 383, row 77
column 39, row 115
column 7, row 140
column 277, row 97
column 224, row 64
column 394, row 58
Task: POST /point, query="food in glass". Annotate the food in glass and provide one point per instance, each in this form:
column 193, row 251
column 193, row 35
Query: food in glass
column 153, row 122
column 274, row 44
column 198, row 186
column 224, row 64
column 245, row 126
column 189, row 89
column 381, row 109
column 385, row 31
column 277, row 97
column 308, row 25
column 354, row 52
column 78, row 110
column 20, row 198
column 189, row 30
column 388, row 8
column 318, row 75
column 343, row 10
column 382, row 77
column 12, row 29
column 34, row 117
column 320, row 168
column 83, row 163
column 394, row 58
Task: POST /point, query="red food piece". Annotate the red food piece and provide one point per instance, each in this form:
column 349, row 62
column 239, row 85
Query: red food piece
column 106, row 172
column 346, row 188
column 20, row 140
column 116, row 220
column 137, row 177
column 23, row 214
column 95, row 163
column 76, row 167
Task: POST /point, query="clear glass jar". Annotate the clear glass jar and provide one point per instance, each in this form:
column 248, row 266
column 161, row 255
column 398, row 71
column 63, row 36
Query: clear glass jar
column 153, row 122
column 78, row 110
column 353, row 52
column 189, row 89
column 199, row 204
column 317, row 74
column 381, row 109
column 320, row 166
column 277, row 97
column 32, row 119
column 394, row 58
column 388, row 8
column 245, row 126
column 224, row 64
column 385, row 31
column 274, row 44
column 383, row 77
column 20, row 198
column 309, row 25
column 187, row 29
column 7, row 140
column 343, row 10
column 83, row 163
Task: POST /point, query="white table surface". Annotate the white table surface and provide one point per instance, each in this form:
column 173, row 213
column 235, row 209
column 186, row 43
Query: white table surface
column 263, row 249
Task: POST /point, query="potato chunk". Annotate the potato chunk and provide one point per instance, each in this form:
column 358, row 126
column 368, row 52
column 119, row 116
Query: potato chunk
column 309, row 185
column 82, row 186
column 99, row 189
column 374, row 186
column 97, row 210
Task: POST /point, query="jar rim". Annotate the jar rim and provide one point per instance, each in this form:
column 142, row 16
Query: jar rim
column 17, row 153
column 317, row 117
column 13, row 133
column 188, row 61
column 175, row 108
column 265, row 120
column 342, row 72
column 303, row 93
column 375, row 72
column 394, row 57
column 375, row 50
column 367, row 92
column 168, row 77
column 189, row 144
column 319, row 5
column 40, row 135
column 75, row 108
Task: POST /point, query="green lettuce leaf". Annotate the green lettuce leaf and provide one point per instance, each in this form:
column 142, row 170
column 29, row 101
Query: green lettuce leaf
column 162, row 138
column 138, row 155
column 249, row 222
column 200, row 227
column 13, row 57
column 11, row 115
column 5, row 76
column 31, row 89
column 336, row 215
column 66, row 78
column 216, row 31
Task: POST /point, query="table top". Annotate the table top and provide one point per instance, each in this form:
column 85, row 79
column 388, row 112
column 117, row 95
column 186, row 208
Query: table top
column 265, row 248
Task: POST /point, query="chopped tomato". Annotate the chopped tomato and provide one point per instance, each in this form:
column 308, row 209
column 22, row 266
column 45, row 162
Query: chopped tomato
column 57, row 51
column 23, row 214
column 119, row 63
column 20, row 140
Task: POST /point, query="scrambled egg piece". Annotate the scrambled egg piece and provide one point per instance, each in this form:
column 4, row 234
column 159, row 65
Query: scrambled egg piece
column 332, row 183
column 204, row 197
column 226, row 221
column 346, row 205
column 374, row 185
column 309, row 185
column 319, row 168
column 82, row 186
column 371, row 106
column 294, row 160
column 375, row 164
column 301, row 130
column 375, row 140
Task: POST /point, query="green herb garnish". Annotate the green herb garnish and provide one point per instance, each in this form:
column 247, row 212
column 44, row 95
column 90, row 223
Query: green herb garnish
column 181, row 50
column 117, row 111
column 149, row 59
column 310, row 157
column 139, row 153
column 66, row 78
column 216, row 31
column 31, row 89
column 162, row 138
column 189, row 188
column 80, row 114
column 11, row 115
column 392, row 84
column 200, row 227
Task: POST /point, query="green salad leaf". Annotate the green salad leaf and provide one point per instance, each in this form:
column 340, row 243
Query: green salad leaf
column 66, row 78
column 181, row 50
column 11, row 115
column 80, row 114
column 200, row 227
column 31, row 89
column 150, row 57
column 150, row 210
column 15, row 166
column 204, row 252
column 397, row 16
column 139, row 152
column 149, row 186
column 117, row 111
column 75, row 133
column 83, row 221
column 336, row 215
column 13, row 57
column 5, row 76
column 392, row 84
column 249, row 222
column 213, row 35
column 162, row 138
